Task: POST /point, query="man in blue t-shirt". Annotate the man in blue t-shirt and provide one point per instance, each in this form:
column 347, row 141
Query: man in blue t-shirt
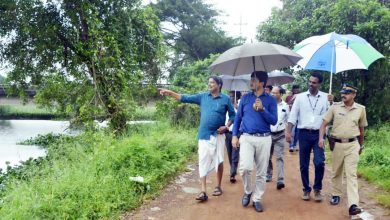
column 256, row 113
column 211, row 137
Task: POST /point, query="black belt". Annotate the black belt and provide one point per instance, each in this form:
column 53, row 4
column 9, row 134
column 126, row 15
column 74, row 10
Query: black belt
column 309, row 130
column 345, row 140
column 258, row 134
column 277, row 132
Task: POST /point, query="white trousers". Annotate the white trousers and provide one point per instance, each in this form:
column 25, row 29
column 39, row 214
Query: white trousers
column 254, row 151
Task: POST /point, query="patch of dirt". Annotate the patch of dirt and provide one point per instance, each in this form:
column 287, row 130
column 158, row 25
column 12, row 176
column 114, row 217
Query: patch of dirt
column 178, row 202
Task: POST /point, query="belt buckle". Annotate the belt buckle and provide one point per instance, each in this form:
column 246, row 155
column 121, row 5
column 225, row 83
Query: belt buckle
column 344, row 140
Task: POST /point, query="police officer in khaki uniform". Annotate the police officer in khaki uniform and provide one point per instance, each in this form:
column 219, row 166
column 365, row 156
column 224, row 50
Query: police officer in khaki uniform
column 349, row 120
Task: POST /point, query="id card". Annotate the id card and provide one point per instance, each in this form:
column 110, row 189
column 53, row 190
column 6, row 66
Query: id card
column 312, row 118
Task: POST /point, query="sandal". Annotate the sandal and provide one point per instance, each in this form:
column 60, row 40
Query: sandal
column 202, row 197
column 233, row 179
column 217, row 191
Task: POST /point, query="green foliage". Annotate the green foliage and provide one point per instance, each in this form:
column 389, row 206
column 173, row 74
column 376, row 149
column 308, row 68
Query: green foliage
column 85, row 57
column 193, row 77
column 190, row 28
column 46, row 140
column 374, row 164
column 145, row 113
column 299, row 19
column 185, row 115
column 87, row 177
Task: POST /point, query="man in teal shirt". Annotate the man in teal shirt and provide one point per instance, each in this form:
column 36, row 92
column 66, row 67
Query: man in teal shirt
column 211, row 137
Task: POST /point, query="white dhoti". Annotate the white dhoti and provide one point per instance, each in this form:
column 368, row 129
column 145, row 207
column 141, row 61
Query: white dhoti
column 211, row 154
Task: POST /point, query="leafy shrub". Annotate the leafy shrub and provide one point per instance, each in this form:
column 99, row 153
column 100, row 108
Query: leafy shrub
column 374, row 164
column 145, row 113
column 45, row 140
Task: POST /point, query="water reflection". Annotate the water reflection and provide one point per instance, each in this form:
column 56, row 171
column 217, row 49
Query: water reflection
column 14, row 131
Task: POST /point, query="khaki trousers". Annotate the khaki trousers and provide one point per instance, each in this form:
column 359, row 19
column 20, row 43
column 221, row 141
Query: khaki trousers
column 277, row 148
column 254, row 151
column 345, row 157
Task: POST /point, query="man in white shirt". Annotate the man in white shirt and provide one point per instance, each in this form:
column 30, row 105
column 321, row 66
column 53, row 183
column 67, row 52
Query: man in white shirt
column 278, row 140
column 309, row 109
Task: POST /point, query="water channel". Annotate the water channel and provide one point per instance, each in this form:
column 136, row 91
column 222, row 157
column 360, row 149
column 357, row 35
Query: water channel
column 14, row 131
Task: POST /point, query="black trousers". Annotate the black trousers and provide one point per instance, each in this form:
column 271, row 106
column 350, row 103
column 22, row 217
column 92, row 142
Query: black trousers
column 233, row 154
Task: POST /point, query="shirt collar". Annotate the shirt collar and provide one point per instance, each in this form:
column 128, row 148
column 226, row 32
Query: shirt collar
column 264, row 94
column 309, row 94
column 353, row 106
column 218, row 96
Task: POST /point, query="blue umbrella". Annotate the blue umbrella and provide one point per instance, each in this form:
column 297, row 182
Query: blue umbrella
column 336, row 53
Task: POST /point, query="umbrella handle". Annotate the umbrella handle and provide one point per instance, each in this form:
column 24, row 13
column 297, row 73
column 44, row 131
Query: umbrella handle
column 254, row 63
column 330, row 83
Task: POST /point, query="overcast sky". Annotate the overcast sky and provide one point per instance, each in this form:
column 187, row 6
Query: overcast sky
column 252, row 12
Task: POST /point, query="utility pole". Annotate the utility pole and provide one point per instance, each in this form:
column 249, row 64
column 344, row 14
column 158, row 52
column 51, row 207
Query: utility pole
column 241, row 24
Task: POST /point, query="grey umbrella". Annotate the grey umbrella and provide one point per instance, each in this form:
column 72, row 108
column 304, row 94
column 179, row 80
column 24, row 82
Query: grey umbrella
column 260, row 56
column 277, row 78
column 236, row 83
column 241, row 83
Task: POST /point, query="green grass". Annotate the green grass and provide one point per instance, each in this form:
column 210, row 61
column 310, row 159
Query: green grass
column 26, row 111
column 145, row 113
column 87, row 177
column 34, row 112
column 374, row 164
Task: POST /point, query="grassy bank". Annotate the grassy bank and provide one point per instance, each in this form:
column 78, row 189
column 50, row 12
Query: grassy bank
column 32, row 111
column 87, row 177
column 374, row 162
column 27, row 112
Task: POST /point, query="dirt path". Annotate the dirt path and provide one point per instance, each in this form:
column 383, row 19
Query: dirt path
column 177, row 201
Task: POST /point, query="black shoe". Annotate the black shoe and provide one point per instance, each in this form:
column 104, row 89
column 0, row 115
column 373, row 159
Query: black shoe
column 233, row 179
column 335, row 200
column 202, row 197
column 268, row 179
column 258, row 207
column 291, row 150
column 280, row 186
column 246, row 198
column 354, row 210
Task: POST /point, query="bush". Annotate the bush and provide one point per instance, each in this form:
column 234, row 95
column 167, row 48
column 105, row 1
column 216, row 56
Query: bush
column 46, row 140
column 87, row 177
column 178, row 114
column 145, row 113
column 374, row 164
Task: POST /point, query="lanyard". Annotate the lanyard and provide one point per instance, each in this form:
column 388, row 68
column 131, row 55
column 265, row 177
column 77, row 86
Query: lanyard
column 311, row 105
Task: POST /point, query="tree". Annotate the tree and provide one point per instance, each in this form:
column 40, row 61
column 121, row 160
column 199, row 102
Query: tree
column 299, row 19
column 84, row 56
column 193, row 77
column 191, row 30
